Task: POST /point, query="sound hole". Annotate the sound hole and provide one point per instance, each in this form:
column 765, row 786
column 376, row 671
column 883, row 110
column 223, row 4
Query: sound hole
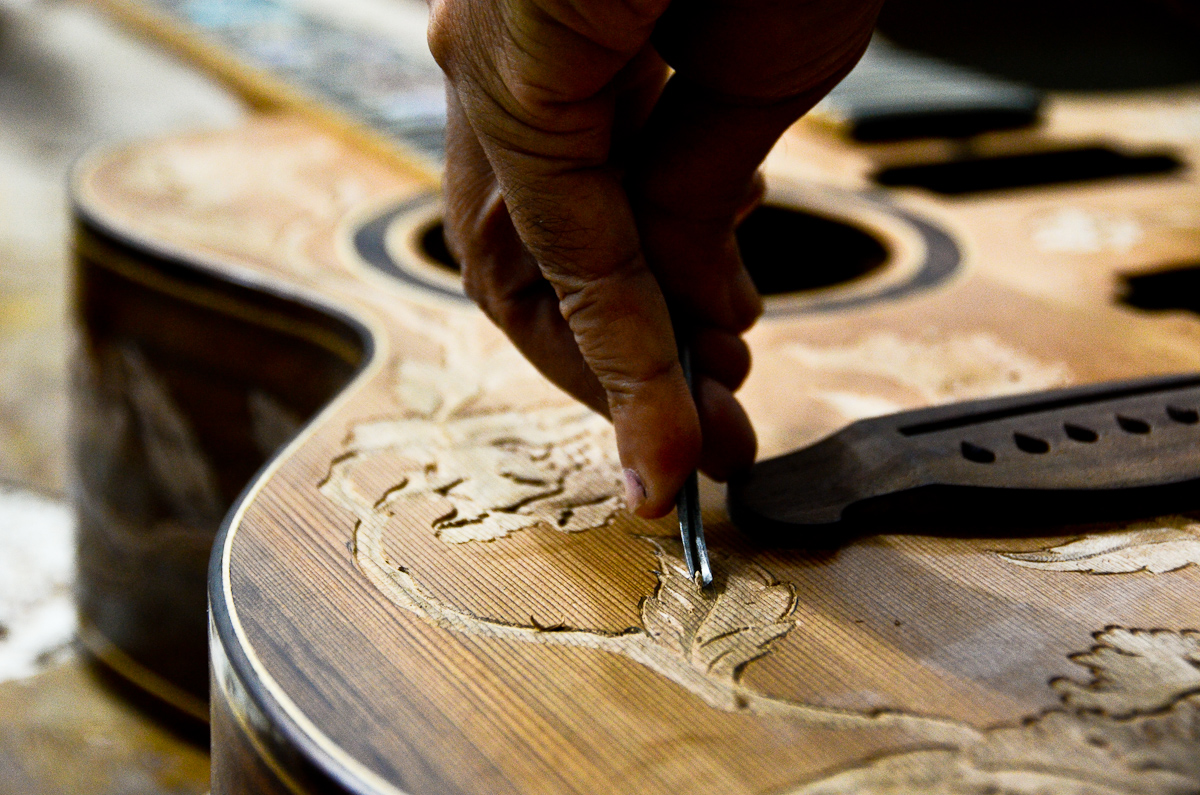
column 433, row 245
column 786, row 251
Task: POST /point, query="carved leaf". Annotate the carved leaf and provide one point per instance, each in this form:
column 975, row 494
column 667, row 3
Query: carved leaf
column 1162, row 546
column 1163, row 746
column 441, row 390
column 1134, row 728
column 1135, row 671
column 718, row 633
column 944, row 772
column 430, row 390
column 503, row 472
column 1083, row 767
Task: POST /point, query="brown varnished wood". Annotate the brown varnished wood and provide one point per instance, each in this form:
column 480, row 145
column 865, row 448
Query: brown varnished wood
column 185, row 384
column 241, row 768
column 381, row 640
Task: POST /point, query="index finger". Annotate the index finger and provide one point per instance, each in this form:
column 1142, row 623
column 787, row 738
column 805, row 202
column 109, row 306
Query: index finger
column 549, row 149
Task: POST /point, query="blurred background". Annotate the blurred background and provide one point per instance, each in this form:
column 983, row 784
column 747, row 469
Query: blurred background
column 72, row 79
column 69, row 80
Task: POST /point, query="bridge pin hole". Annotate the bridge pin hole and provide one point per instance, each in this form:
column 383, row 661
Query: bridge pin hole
column 1031, row 444
column 1185, row 416
column 1080, row 433
column 1132, row 424
column 980, row 455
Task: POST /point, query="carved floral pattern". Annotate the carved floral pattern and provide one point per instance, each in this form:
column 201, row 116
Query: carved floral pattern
column 1133, row 728
column 1157, row 547
column 499, row 473
column 718, row 634
column 495, row 470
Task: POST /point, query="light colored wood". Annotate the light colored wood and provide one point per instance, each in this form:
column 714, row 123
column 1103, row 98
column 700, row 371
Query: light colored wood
column 399, row 596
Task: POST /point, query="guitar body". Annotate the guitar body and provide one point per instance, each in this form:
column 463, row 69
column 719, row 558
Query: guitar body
column 434, row 586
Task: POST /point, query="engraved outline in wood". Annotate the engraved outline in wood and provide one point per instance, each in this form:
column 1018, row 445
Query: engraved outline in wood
column 1134, row 728
column 494, row 471
column 690, row 638
column 703, row 648
column 1166, row 544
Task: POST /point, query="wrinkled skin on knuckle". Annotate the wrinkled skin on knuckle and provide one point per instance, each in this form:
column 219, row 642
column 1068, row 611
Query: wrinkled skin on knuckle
column 458, row 33
column 584, row 296
column 612, row 331
column 548, row 55
column 439, row 35
column 549, row 64
column 576, row 239
column 624, row 386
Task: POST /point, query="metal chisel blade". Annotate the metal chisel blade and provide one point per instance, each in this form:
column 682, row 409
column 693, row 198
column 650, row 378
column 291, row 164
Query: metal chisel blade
column 687, row 504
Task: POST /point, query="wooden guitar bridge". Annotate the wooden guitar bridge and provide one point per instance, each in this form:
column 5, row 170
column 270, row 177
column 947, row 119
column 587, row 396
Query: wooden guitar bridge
column 1104, row 451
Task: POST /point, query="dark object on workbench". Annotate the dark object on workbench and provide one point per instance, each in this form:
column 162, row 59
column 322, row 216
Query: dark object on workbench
column 895, row 94
column 1027, row 170
column 1074, row 45
column 1103, row 451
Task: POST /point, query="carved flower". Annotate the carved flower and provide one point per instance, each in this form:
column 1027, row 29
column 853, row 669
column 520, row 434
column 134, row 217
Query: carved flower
column 499, row 473
column 1135, row 672
column 490, row 469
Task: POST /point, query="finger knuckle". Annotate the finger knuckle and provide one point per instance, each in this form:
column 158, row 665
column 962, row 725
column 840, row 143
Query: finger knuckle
column 507, row 305
column 564, row 256
column 616, row 26
column 475, row 286
column 608, row 332
column 443, row 33
column 490, row 300
column 624, row 379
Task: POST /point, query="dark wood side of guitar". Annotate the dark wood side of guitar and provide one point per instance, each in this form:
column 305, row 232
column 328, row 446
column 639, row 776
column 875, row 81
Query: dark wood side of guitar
column 239, row 767
column 185, row 385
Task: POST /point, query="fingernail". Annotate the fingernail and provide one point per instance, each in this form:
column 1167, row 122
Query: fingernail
column 635, row 490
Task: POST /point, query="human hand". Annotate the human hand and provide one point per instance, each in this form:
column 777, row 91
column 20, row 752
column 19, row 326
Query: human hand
column 589, row 188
